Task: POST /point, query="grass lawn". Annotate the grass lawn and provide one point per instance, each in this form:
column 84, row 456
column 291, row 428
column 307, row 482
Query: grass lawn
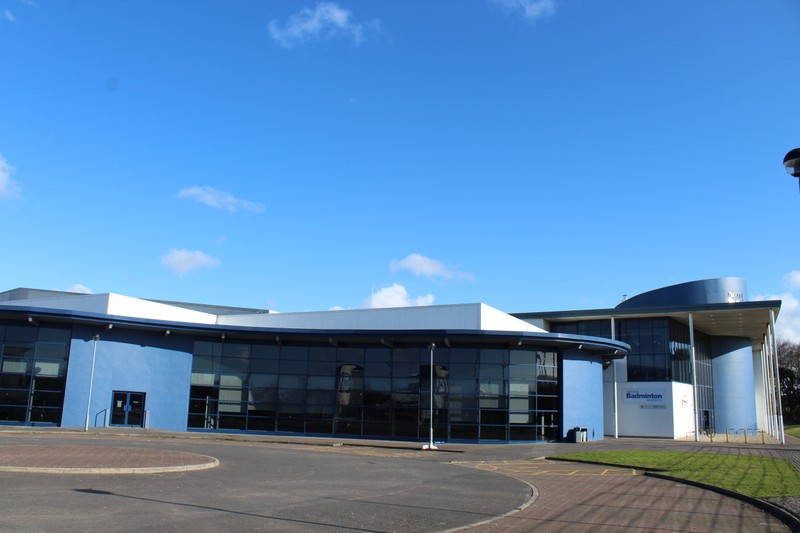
column 793, row 430
column 760, row 477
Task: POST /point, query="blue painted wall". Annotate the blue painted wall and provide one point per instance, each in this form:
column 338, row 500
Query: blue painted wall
column 133, row 361
column 582, row 378
column 732, row 367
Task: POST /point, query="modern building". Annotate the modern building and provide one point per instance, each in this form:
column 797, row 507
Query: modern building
column 694, row 344
column 88, row 360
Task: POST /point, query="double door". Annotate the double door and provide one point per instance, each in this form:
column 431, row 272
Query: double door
column 128, row 409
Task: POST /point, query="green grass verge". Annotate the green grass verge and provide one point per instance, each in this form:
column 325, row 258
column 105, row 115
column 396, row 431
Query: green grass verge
column 759, row 477
column 793, row 430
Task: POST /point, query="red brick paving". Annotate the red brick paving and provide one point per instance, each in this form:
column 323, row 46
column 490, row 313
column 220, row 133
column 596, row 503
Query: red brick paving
column 587, row 498
column 117, row 459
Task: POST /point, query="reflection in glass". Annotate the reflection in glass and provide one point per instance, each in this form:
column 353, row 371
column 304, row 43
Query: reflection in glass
column 479, row 393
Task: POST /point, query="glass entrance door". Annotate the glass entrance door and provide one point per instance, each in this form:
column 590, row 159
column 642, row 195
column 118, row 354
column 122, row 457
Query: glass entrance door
column 128, row 409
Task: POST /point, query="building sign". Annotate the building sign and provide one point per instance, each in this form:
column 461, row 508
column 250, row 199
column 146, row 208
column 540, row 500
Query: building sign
column 647, row 399
column 734, row 297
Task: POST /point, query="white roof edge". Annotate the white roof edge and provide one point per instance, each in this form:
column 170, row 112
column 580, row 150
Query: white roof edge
column 468, row 316
column 472, row 316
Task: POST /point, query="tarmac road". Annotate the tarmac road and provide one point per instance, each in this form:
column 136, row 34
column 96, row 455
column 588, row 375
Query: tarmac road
column 291, row 483
column 256, row 487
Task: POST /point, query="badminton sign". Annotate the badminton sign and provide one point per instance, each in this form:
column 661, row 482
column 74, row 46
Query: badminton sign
column 646, row 398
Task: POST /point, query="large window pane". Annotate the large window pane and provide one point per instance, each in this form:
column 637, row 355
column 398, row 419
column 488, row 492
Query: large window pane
column 14, row 364
column 235, row 350
column 18, row 349
column 51, row 351
column 322, row 353
column 264, row 351
column 293, row 367
column 21, row 333
column 55, row 335
column 322, row 368
column 50, row 368
column 264, row 366
column 321, row 383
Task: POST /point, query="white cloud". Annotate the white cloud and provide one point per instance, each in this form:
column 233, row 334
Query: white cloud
column 420, row 265
column 326, row 19
column 9, row 188
column 787, row 327
column 396, row 296
column 183, row 261
column 531, row 9
column 77, row 287
column 9, row 16
column 219, row 199
column 792, row 280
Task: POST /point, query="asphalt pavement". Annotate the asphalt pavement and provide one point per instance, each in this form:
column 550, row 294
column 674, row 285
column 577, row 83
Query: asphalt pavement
column 134, row 480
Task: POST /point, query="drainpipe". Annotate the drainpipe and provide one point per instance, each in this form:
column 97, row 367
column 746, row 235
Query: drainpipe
column 91, row 382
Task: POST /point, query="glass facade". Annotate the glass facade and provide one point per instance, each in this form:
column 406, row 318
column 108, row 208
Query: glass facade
column 33, row 369
column 660, row 351
column 649, row 358
column 479, row 392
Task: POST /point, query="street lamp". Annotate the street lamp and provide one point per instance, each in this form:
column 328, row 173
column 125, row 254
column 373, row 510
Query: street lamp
column 91, row 382
column 431, row 445
column 792, row 163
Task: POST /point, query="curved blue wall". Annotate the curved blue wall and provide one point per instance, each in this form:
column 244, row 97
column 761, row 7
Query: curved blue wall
column 582, row 379
column 732, row 367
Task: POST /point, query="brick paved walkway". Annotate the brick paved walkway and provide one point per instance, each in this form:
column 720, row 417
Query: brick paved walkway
column 65, row 459
column 586, row 498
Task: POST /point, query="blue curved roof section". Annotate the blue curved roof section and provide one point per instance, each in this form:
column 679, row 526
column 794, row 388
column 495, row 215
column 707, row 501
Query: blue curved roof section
column 609, row 349
column 701, row 292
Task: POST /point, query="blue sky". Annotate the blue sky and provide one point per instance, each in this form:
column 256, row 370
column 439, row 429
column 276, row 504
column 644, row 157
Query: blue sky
column 530, row 154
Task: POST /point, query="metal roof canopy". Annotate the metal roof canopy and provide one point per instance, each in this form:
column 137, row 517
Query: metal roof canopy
column 608, row 349
column 739, row 319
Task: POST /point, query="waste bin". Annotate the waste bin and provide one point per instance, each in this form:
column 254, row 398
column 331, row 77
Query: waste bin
column 572, row 435
column 584, row 434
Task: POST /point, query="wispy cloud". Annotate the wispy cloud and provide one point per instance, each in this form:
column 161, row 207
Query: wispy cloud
column 183, row 261
column 530, row 9
column 9, row 189
column 9, row 16
column 787, row 327
column 396, row 296
column 419, row 265
column 325, row 20
column 77, row 287
column 219, row 199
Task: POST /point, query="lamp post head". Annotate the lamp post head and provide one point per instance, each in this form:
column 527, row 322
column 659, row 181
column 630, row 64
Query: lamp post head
column 792, row 162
